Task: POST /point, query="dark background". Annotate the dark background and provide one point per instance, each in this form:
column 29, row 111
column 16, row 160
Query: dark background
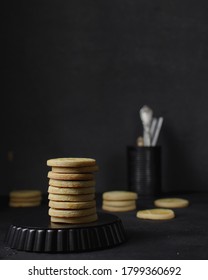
column 76, row 74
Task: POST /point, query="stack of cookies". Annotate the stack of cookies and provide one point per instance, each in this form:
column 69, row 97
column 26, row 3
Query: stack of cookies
column 72, row 190
column 119, row 201
column 25, row 198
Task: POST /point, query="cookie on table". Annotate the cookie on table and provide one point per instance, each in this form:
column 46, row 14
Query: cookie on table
column 70, row 177
column 25, row 198
column 25, row 194
column 24, row 203
column 156, row 214
column 171, row 202
column 71, row 162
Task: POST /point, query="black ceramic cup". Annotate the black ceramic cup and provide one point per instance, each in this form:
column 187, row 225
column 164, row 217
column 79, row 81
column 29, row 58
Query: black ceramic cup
column 144, row 169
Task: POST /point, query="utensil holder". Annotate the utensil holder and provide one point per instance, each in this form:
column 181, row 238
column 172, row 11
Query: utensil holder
column 144, row 169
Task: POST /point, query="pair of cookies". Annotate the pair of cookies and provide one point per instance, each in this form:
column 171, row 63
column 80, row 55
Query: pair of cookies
column 25, row 198
column 163, row 213
column 119, row 201
column 72, row 190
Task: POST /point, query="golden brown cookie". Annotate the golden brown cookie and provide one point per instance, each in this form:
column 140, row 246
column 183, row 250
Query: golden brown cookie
column 25, row 193
column 72, row 205
column 117, row 203
column 71, row 213
column 119, row 208
column 71, row 184
column 171, row 202
column 75, row 170
column 68, row 197
column 74, row 191
column 70, row 177
column 24, row 203
column 71, row 162
column 75, row 220
column 156, row 214
column 119, row 195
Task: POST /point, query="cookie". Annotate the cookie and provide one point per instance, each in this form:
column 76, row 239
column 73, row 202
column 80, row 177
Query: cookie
column 71, row 162
column 71, row 184
column 75, row 170
column 24, row 193
column 74, row 191
column 27, row 199
column 156, row 214
column 171, row 202
column 24, row 203
column 121, row 203
column 119, row 208
column 72, row 205
column 70, row 177
column 68, row 197
column 119, row 195
column 77, row 220
column 71, row 213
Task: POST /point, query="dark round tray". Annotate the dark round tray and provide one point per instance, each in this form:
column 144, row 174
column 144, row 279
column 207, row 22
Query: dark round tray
column 43, row 236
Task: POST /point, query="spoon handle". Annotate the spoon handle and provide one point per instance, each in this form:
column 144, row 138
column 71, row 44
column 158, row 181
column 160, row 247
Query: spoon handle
column 157, row 131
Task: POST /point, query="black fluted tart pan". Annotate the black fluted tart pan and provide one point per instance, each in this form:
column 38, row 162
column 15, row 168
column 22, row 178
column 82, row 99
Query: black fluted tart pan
column 43, row 236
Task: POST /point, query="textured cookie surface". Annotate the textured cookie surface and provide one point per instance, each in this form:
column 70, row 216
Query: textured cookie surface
column 171, row 202
column 74, row 191
column 24, row 193
column 72, row 177
column 119, row 195
column 71, row 213
column 68, row 197
column 24, row 204
column 119, row 208
column 72, row 205
column 75, row 170
column 156, row 214
column 117, row 203
column 76, row 220
column 71, row 162
column 71, row 184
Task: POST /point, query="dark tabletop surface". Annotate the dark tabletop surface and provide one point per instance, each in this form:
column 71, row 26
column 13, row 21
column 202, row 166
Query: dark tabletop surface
column 185, row 237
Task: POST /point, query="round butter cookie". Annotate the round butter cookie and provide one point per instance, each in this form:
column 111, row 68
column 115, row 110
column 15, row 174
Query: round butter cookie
column 26, row 199
column 171, row 202
column 156, row 214
column 119, row 195
column 75, row 170
column 68, row 197
column 77, row 220
column 72, row 205
column 73, row 191
column 24, row 204
column 119, row 208
column 70, row 177
column 71, row 162
column 24, row 193
column 71, row 184
column 117, row 203
column 71, row 213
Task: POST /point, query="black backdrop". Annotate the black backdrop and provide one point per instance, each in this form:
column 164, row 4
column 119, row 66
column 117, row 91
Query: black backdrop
column 76, row 74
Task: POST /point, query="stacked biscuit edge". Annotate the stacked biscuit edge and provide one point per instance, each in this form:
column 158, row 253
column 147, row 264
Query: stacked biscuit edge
column 71, row 190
